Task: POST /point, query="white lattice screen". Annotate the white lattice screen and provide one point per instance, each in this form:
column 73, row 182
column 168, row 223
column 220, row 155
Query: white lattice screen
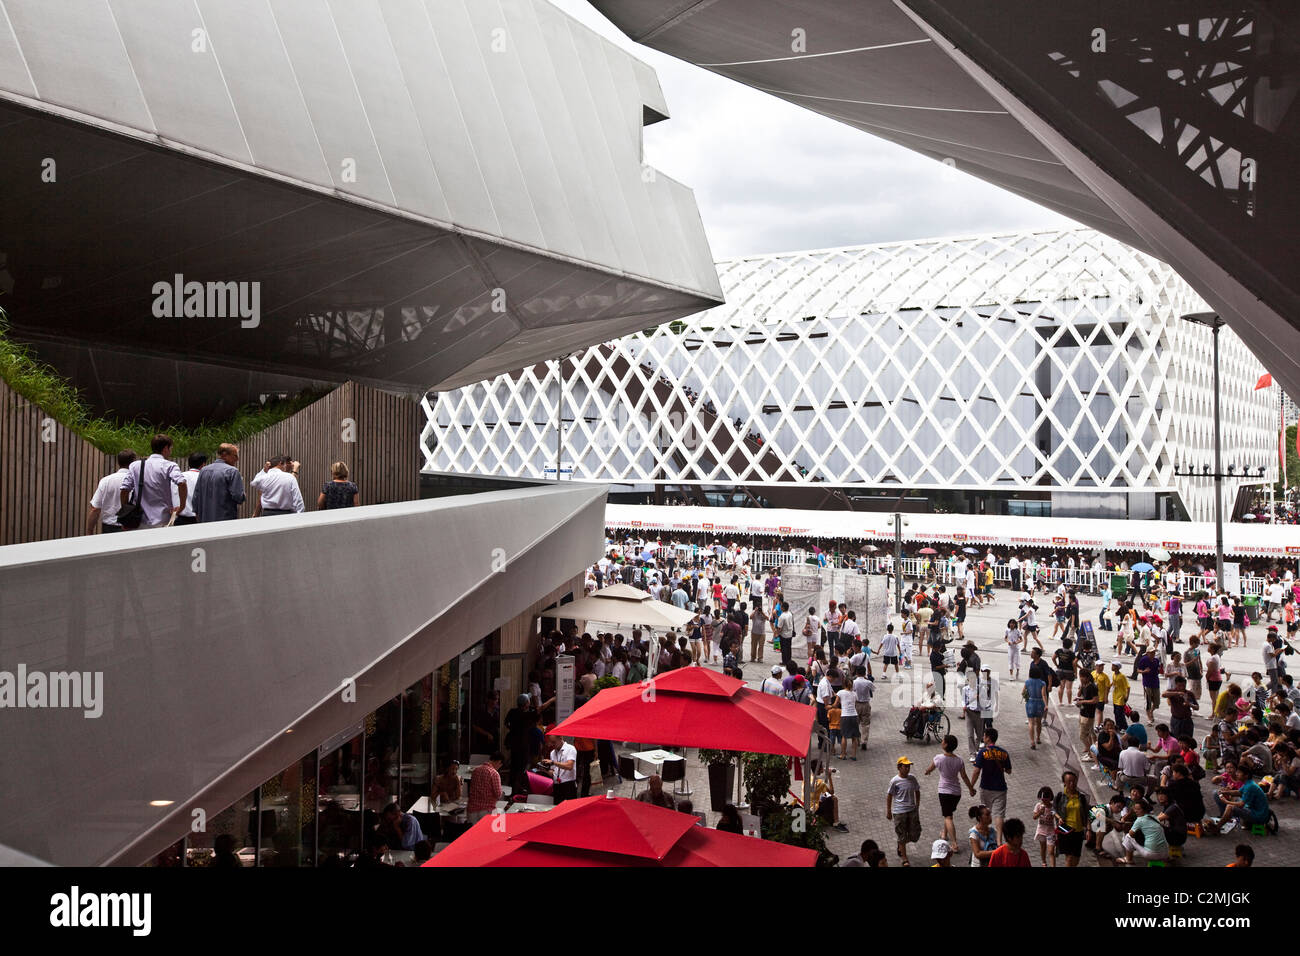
column 1046, row 360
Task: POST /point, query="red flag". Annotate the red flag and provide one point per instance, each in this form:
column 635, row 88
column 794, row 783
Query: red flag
column 1265, row 381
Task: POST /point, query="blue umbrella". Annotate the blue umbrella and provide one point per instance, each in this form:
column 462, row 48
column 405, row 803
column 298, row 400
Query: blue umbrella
column 1142, row 566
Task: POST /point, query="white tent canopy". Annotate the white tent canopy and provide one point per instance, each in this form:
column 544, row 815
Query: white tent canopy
column 1075, row 534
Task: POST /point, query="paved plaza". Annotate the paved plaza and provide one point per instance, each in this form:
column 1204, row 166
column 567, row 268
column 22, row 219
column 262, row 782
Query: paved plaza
column 861, row 784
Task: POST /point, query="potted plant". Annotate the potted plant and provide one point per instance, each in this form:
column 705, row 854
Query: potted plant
column 722, row 775
column 792, row 826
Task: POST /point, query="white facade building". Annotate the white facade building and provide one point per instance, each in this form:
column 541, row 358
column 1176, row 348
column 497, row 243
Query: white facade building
column 1048, row 362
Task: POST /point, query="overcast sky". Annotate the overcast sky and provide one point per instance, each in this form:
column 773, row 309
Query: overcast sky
column 773, row 177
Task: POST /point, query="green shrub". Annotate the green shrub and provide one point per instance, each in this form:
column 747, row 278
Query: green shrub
column 43, row 387
column 790, row 825
column 767, row 779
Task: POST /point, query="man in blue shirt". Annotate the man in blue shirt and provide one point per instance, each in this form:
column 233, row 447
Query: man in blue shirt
column 1249, row 805
column 992, row 764
column 219, row 491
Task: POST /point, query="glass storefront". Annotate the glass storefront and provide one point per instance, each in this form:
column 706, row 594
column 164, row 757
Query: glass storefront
column 318, row 811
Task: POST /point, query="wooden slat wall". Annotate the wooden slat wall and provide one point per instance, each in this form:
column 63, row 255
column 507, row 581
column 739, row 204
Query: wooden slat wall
column 45, row 487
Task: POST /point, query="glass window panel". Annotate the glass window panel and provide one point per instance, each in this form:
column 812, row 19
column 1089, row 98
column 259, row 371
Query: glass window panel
column 229, row 839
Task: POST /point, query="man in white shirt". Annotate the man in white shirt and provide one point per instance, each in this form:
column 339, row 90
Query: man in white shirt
column 890, row 652
column 186, row 514
column 1273, row 601
column 1134, row 767
column 563, row 763
column 107, row 499
column 731, row 593
column 278, row 492
column 849, row 630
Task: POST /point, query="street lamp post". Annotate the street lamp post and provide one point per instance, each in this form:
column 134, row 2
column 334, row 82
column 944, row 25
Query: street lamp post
column 898, row 563
column 1214, row 322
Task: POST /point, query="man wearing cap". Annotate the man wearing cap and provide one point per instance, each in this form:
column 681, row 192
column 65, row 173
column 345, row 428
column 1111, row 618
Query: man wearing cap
column 1118, row 694
column 798, row 690
column 772, row 683
column 941, row 853
column 902, row 805
column 563, row 764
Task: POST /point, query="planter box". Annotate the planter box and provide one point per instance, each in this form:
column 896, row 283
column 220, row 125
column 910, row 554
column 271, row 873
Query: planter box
column 722, row 784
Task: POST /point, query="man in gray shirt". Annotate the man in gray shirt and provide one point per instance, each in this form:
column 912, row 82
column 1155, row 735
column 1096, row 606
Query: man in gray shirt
column 219, row 491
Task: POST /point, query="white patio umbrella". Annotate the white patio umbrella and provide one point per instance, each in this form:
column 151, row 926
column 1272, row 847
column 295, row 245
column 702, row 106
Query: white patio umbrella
column 1158, row 554
column 626, row 605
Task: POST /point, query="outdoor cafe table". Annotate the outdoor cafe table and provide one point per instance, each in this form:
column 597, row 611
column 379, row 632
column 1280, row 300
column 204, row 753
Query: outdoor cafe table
column 426, row 805
column 652, row 761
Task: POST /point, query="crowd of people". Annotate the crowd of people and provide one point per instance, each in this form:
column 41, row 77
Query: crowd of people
column 154, row 492
column 1253, row 743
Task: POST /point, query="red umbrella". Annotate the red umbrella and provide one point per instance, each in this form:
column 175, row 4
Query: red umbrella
column 927, row 551
column 695, row 707
column 610, row 831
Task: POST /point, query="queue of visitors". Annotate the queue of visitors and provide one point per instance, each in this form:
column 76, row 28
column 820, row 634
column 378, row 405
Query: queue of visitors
column 154, row 492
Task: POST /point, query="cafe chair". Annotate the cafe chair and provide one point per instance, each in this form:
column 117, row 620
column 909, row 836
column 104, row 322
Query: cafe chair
column 674, row 771
column 627, row 770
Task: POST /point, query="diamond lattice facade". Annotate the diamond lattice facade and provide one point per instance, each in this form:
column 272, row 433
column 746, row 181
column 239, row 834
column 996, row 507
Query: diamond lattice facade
column 1046, row 361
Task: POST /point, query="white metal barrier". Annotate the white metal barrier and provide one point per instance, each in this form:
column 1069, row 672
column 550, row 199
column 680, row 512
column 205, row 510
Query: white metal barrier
column 921, row 568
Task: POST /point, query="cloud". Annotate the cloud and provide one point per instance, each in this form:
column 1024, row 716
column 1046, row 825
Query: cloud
column 770, row 176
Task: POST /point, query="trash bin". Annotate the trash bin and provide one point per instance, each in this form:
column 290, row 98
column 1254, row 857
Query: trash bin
column 1251, row 601
column 1119, row 585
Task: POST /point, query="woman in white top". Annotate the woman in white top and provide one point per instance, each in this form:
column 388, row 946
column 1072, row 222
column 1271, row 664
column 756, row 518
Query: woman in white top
column 1014, row 639
column 1123, row 633
column 812, row 627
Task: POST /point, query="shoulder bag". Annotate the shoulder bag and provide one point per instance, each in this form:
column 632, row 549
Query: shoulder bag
column 131, row 514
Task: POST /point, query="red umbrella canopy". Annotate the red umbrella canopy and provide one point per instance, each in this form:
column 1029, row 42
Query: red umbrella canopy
column 608, row 825
column 927, row 551
column 590, row 832
column 695, row 707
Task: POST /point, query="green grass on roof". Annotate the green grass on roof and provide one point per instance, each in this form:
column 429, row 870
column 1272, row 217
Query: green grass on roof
column 45, row 388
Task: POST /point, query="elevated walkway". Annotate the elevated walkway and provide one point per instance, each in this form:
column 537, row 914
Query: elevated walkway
column 225, row 649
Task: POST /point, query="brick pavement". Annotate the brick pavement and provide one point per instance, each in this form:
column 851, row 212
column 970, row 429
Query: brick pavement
column 861, row 785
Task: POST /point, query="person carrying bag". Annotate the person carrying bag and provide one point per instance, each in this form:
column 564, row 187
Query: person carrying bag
column 131, row 515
